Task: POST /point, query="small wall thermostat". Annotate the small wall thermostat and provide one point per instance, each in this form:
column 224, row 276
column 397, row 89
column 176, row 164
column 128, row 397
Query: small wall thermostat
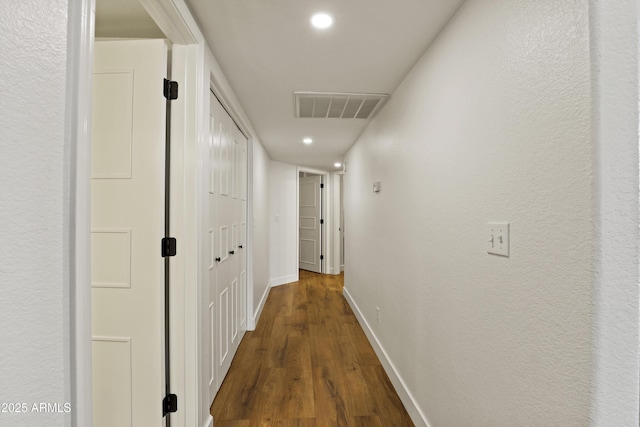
column 376, row 187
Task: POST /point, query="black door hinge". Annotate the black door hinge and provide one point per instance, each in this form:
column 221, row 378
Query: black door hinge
column 321, row 185
column 170, row 89
column 169, row 404
column 322, row 221
column 321, row 257
column 169, row 246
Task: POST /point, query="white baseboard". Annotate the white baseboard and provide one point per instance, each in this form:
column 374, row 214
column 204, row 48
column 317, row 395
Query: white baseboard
column 416, row 414
column 208, row 422
column 284, row 280
column 334, row 271
column 263, row 300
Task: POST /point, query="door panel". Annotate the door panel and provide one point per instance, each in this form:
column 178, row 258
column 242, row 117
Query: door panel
column 114, row 384
column 127, row 205
column 310, row 232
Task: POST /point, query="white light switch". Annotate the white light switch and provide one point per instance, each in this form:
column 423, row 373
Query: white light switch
column 498, row 238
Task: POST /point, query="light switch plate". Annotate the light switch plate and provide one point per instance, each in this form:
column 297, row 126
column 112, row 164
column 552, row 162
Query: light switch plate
column 498, row 238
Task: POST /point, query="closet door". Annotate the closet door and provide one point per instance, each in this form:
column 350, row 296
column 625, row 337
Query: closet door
column 227, row 233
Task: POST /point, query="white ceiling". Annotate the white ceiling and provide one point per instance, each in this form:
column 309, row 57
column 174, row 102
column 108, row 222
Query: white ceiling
column 268, row 49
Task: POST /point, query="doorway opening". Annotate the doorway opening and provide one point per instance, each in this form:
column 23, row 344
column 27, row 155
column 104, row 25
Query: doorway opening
column 340, row 176
column 184, row 45
column 311, row 222
column 130, row 205
column 316, row 221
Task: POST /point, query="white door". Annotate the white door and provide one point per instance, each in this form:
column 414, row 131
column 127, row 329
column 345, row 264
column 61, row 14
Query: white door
column 310, row 229
column 227, row 234
column 127, row 205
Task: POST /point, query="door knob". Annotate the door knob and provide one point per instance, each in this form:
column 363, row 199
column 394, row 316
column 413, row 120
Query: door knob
column 232, row 252
column 240, row 246
column 218, row 259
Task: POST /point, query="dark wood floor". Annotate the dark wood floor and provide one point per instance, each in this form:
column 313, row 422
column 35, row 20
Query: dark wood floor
column 307, row 364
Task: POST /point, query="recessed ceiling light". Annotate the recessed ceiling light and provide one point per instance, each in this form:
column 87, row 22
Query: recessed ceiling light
column 337, row 164
column 307, row 140
column 321, row 20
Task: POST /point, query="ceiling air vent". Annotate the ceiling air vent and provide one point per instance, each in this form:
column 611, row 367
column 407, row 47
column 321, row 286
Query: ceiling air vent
column 326, row 105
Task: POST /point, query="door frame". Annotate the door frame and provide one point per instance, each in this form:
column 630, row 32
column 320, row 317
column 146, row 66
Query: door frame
column 338, row 215
column 321, row 217
column 174, row 19
column 326, row 236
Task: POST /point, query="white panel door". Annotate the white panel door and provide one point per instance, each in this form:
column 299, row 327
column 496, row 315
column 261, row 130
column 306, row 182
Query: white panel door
column 127, row 204
column 238, row 262
column 227, row 231
column 310, row 231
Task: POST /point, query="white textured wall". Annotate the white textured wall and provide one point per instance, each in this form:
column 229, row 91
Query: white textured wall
column 614, row 53
column 260, row 223
column 493, row 123
column 34, row 338
column 283, row 202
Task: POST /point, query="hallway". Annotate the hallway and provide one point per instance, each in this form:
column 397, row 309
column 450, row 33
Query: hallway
column 308, row 363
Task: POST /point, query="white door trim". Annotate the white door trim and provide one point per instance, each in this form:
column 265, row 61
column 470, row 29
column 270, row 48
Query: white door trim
column 174, row 18
column 337, row 232
column 308, row 186
column 78, row 118
column 327, row 203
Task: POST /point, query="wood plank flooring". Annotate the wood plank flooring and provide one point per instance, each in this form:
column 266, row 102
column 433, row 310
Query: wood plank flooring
column 307, row 364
